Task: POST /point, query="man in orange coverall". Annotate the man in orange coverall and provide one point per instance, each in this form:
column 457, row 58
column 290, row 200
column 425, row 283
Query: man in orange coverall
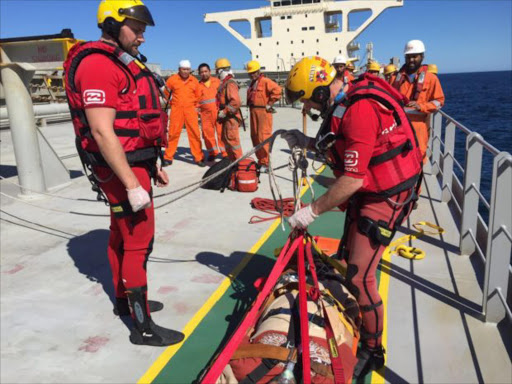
column 422, row 88
column 343, row 76
column 228, row 100
column 184, row 103
column 261, row 96
column 208, row 86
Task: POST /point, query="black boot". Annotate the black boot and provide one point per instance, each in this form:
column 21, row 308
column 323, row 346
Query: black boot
column 123, row 309
column 145, row 331
column 369, row 359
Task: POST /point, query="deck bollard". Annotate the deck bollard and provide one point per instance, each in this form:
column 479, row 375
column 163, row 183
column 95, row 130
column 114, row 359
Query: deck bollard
column 15, row 80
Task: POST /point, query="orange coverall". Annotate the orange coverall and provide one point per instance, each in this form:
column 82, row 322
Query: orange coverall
column 184, row 104
column 262, row 92
column 337, row 84
column 229, row 103
column 209, row 111
column 431, row 99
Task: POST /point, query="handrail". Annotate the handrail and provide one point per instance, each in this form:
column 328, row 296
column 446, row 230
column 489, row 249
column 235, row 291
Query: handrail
column 475, row 234
column 467, row 131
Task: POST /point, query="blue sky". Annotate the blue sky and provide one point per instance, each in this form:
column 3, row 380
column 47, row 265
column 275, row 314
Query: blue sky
column 460, row 35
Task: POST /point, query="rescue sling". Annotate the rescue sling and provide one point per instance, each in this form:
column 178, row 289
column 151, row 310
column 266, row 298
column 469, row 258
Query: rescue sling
column 395, row 165
column 302, row 302
column 419, row 81
column 140, row 123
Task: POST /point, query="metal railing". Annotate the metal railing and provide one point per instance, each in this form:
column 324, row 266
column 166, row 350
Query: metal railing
column 491, row 239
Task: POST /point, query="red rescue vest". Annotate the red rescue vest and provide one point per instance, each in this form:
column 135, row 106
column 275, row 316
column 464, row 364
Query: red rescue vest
column 419, row 80
column 396, row 163
column 140, row 123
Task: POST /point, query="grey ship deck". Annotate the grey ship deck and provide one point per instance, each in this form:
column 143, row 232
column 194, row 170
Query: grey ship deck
column 56, row 313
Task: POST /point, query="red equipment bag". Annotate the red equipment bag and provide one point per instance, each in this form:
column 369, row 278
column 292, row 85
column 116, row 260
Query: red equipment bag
column 246, row 176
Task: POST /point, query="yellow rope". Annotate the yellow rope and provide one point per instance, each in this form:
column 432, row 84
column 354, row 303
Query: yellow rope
column 408, row 252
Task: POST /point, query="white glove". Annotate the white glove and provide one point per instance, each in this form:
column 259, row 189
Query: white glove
column 270, row 108
column 302, row 218
column 139, row 198
column 296, row 138
column 221, row 115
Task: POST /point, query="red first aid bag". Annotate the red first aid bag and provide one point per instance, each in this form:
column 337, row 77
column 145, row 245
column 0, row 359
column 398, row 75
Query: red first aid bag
column 246, row 176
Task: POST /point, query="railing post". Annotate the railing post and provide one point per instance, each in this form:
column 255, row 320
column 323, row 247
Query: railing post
column 430, row 135
column 436, row 142
column 448, row 156
column 499, row 245
column 472, row 173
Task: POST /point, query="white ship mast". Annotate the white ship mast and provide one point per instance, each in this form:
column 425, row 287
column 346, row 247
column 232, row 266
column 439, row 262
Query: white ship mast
column 287, row 30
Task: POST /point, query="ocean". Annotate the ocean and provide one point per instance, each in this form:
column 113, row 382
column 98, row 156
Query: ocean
column 482, row 102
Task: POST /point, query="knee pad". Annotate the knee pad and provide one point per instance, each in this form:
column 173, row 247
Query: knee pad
column 352, row 270
column 150, row 249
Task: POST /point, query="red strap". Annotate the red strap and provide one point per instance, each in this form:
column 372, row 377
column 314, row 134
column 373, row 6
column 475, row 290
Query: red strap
column 303, row 315
column 223, row 358
column 314, row 292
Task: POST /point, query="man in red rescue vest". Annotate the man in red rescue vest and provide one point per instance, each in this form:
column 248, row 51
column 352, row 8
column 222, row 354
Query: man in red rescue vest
column 368, row 141
column 261, row 96
column 120, row 128
column 423, row 90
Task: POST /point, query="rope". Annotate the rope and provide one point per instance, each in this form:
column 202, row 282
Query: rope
column 46, row 193
column 54, row 209
column 198, row 184
column 413, row 253
column 286, row 206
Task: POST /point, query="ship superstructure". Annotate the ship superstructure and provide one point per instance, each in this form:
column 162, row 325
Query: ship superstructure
column 285, row 31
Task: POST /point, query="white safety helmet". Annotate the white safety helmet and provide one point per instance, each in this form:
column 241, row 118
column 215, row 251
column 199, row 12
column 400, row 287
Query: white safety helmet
column 340, row 59
column 414, row 47
column 185, row 64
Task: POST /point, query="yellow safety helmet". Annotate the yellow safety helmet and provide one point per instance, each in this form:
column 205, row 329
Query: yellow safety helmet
column 373, row 66
column 310, row 79
column 432, row 68
column 390, row 68
column 350, row 66
column 222, row 63
column 253, row 66
column 120, row 10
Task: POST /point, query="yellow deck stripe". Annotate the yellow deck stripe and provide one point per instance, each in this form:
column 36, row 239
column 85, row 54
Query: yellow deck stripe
column 169, row 352
column 378, row 376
